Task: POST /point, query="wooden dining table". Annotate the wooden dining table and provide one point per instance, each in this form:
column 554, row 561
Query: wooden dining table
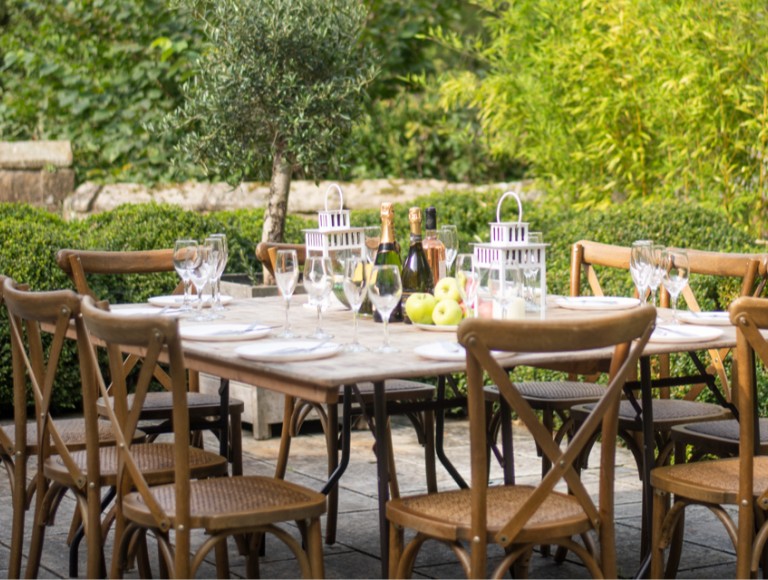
column 320, row 380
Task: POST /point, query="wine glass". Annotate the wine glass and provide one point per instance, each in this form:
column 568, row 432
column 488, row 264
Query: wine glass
column 532, row 269
column 355, row 288
column 675, row 278
column 657, row 270
column 372, row 236
column 385, row 289
column 184, row 254
column 318, row 281
column 218, row 259
column 450, row 238
column 200, row 275
column 467, row 278
column 286, row 276
column 505, row 284
column 220, row 265
column 640, row 266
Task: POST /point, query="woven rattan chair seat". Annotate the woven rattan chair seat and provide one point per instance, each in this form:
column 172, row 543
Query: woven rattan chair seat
column 155, row 460
column 449, row 513
column 227, row 502
column 546, row 391
column 666, row 413
column 160, row 404
column 397, row 390
column 727, row 430
column 715, row 481
column 72, row 431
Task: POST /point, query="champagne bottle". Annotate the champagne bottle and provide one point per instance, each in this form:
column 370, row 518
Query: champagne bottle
column 433, row 247
column 417, row 275
column 387, row 253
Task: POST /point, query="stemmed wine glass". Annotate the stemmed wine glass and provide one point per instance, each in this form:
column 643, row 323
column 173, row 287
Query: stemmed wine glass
column 676, row 270
column 200, row 275
column 450, row 238
column 385, row 289
column 640, row 266
column 372, row 236
column 184, row 254
column 467, row 278
column 218, row 260
column 221, row 263
column 657, row 270
column 355, row 288
column 286, row 276
column 531, row 270
column 318, row 281
column 504, row 283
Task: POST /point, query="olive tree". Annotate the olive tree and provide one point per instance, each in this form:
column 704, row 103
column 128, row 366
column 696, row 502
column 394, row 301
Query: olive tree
column 279, row 87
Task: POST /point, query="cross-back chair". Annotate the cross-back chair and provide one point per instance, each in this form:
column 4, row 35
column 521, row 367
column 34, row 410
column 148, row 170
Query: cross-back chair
column 244, row 506
column 667, row 411
column 297, row 410
column 740, row 482
column 218, row 413
column 515, row 516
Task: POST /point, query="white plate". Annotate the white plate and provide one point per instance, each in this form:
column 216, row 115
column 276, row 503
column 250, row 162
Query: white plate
column 596, row 302
column 718, row 318
column 176, row 300
column 288, row 350
column 443, row 350
column 220, row 332
column 140, row 310
column 678, row 333
column 437, row 327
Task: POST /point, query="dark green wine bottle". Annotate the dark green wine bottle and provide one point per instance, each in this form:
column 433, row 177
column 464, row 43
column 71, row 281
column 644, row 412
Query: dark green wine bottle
column 387, row 254
column 417, row 275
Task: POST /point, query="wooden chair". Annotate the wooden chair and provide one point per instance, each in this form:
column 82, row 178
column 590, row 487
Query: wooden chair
column 244, row 506
column 721, row 438
column 218, row 413
column 741, row 482
column 517, row 517
column 297, row 410
column 79, row 455
column 667, row 412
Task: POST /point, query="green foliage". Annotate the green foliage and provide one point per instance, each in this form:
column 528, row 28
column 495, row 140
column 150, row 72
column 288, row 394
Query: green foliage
column 95, row 72
column 280, row 80
column 627, row 99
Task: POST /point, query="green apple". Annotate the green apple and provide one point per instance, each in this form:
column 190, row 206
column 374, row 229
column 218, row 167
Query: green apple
column 419, row 307
column 448, row 288
column 447, row 312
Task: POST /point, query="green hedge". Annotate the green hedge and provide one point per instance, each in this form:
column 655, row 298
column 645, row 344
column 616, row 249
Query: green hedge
column 30, row 238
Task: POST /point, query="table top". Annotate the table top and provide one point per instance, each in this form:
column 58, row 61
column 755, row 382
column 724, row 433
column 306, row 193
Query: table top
column 318, row 380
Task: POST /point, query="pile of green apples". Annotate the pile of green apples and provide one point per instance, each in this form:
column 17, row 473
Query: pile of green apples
column 443, row 308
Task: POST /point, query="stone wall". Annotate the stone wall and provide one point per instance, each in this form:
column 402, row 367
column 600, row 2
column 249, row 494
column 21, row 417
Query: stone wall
column 36, row 172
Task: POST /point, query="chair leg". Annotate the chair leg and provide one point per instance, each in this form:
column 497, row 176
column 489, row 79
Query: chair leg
column 315, row 548
column 285, row 438
column 236, row 442
column 19, row 502
column 332, row 446
column 429, row 451
column 45, row 502
column 660, row 503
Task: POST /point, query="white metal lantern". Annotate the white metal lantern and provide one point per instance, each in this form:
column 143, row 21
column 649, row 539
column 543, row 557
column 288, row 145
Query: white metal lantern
column 510, row 248
column 334, row 237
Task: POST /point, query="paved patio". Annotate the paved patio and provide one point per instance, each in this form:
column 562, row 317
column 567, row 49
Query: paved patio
column 707, row 552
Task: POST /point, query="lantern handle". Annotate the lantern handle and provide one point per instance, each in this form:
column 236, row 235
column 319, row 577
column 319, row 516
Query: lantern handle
column 519, row 206
column 341, row 196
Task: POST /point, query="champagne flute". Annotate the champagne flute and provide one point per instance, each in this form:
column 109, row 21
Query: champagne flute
column 640, row 266
column 449, row 235
column 385, row 289
column 467, row 278
column 372, row 237
column 531, row 270
column 355, row 289
column 200, row 275
column 318, row 281
column 221, row 265
column 286, row 276
column 675, row 278
column 218, row 260
column 184, row 254
column 657, row 271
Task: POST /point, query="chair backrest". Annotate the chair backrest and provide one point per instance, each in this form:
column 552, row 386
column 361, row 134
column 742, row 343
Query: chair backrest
column 35, row 365
column 749, row 316
column 155, row 337
column 626, row 333
column 77, row 264
column 749, row 269
column 266, row 252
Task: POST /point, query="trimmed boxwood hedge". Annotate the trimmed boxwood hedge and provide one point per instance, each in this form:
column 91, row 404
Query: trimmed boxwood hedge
column 30, row 238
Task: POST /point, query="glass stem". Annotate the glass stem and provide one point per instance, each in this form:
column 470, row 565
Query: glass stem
column 319, row 318
column 674, row 308
column 200, row 300
column 217, row 293
column 354, row 332
column 287, row 306
column 386, row 331
column 187, row 285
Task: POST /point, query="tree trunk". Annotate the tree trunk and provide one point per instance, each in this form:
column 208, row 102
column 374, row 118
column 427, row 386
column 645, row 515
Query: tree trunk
column 277, row 204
